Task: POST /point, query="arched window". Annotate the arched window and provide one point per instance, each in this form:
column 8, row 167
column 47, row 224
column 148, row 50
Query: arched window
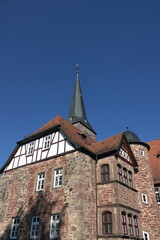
column 125, row 179
column 107, row 222
column 130, row 225
column 130, row 179
column 105, row 174
column 136, row 228
column 119, row 172
column 124, row 223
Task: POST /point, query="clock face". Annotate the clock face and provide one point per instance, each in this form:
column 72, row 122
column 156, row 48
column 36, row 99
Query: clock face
column 124, row 154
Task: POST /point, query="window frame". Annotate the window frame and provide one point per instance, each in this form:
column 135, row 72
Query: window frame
column 54, row 223
column 136, row 226
column 147, row 235
column 141, row 152
column 40, row 182
column 33, row 228
column 46, row 142
column 146, row 198
column 125, row 176
column 30, row 148
column 130, row 180
column 120, row 179
column 14, row 228
column 157, row 194
column 105, row 173
column 58, row 178
column 107, row 222
column 124, row 223
column 130, row 224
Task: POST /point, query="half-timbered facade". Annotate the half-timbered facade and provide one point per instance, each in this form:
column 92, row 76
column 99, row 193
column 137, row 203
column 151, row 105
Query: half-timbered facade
column 60, row 183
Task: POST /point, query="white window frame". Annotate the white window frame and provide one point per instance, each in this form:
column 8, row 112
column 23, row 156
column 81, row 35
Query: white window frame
column 14, row 228
column 47, row 142
column 145, row 235
column 142, row 153
column 144, row 198
column 30, row 148
column 40, row 182
column 58, row 177
column 34, row 231
column 54, row 226
column 157, row 193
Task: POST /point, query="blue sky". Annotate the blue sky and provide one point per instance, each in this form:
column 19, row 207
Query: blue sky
column 116, row 43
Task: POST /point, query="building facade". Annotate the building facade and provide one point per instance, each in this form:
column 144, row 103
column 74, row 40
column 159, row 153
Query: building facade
column 60, row 183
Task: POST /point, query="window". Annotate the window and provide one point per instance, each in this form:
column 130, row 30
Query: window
column 58, row 177
column 107, row 222
column 125, row 180
column 34, row 227
column 54, row 227
column 119, row 173
column 144, row 198
column 124, row 223
column 157, row 192
column 40, row 182
column 14, row 228
column 47, row 142
column 142, row 153
column 130, row 183
column 30, row 148
column 105, row 175
column 130, row 224
column 136, row 226
column 146, row 235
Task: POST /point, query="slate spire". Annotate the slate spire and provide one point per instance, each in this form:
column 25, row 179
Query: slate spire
column 77, row 111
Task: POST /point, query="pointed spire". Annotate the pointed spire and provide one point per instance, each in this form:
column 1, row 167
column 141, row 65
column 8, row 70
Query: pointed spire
column 77, row 111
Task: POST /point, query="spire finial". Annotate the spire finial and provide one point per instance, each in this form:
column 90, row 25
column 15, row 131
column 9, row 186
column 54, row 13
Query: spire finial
column 77, row 71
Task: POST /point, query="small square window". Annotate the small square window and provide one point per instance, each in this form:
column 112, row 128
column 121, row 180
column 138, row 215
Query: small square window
column 40, row 182
column 47, row 142
column 146, row 236
column 144, row 198
column 30, row 148
column 142, row 153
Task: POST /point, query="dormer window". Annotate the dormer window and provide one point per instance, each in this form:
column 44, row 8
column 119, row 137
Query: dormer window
column 47, row 142
column 30, row 148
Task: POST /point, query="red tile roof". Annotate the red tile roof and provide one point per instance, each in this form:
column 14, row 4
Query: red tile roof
column 75, row 136
column 155, row 162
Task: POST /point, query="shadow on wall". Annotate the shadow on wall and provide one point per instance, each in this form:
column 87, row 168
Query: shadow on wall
column 38, row 206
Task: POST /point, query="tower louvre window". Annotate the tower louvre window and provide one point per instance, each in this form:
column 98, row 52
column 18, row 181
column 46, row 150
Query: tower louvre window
column 47, row 142
column 107, row 222
column 14, row 228
column 54, row 226
column 124, row 223
column 105, row 173
column 58, row 177
column 30, row 148
column 34, row 227
column 40, row 182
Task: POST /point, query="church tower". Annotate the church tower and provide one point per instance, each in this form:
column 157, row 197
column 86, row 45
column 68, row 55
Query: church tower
column 77, row 114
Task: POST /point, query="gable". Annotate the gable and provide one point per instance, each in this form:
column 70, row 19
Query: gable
column 39, row 149
column 125, row 153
